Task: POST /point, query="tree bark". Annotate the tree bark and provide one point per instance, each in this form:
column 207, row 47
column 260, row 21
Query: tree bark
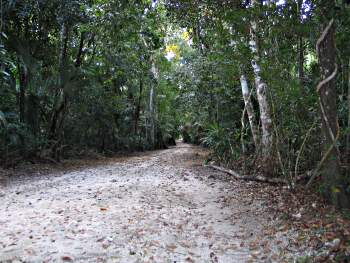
column 138, row 107
column 60, row 95
column 23, row 83
column 151, row 116
column 250, row 111
column 61, row 100
column 331, row 173
column 301, row 58
column 80, row 54
column 262, row 95
column 152, row 111
column 32, row 114
column 301, row 61
column 64, row 45
column 348, row 135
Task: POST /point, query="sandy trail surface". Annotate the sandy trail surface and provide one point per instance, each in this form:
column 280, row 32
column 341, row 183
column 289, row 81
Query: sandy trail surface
column 160, row 206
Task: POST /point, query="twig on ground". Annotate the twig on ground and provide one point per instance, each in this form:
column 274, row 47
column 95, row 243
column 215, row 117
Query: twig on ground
column 249, row 178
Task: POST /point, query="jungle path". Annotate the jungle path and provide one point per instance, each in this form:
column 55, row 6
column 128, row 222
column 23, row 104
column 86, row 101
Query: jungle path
column 160, row 206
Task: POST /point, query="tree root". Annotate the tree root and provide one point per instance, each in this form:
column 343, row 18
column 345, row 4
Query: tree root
column 258, row 178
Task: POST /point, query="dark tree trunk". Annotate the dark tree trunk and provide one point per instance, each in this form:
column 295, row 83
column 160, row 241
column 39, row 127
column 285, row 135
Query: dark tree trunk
column 32, row 114
column 348, row 135
column 326, row 51
column 93, row 54
column 300, row 44
column 302, row 108
column 138, row 108
column 23, row 79
column 64, row 45
column 301, row 61
column 23, row 83
column 61, row 100
column 80, row 54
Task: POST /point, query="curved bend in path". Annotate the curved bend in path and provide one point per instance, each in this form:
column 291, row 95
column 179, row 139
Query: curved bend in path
column 161, row 206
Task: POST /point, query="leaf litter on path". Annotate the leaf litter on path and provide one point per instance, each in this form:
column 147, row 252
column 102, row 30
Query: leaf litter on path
column 160, row 206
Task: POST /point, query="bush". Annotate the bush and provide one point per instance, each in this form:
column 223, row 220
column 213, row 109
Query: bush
column 221, row 142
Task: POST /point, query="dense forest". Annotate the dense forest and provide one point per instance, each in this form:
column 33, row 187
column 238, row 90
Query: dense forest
column 175, row 131
column 264, row 84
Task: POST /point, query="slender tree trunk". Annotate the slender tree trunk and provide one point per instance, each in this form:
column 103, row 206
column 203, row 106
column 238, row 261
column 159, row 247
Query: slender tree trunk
column 138, row 107
column 301, row 60
column 217, row 109
column 60, row 96
column 262, row 95
column 23, row 83
column 82, row 51
column 300, row 45
column 80, row 54
column 152, row 110
column 348, row 135
column 61, row 99
column 64, row 45
column 327, row 91
column 151, row 117
column 33, row 114
column 302, row 111
column 250, row 111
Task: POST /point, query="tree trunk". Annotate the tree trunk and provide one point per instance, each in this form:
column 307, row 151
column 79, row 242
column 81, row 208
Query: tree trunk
column 138, row 108
column 32, row 114
column 23, row 83
column 250, row 111
column 60, row 105
column 301, row 61
column 262, row 94
column 80, row 54
column 152, row 110
column 152, row 116
column 348, row 135
column 331, row 173
column 300, row 45
column 60, row 94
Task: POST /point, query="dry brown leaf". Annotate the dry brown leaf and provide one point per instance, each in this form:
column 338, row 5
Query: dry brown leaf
column 189, row 259
column 171, row 247
column 67, row 258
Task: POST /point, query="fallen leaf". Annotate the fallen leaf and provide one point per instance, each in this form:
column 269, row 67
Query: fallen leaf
column 67, row 258
column 171, row 247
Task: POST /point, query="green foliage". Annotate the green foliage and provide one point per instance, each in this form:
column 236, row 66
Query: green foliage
column 304, row 259
column 92, row 98
column 221, row 142
column 218, row 52
column 80, row 74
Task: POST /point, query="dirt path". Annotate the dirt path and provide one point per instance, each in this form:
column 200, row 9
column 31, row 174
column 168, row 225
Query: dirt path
column 161, row 206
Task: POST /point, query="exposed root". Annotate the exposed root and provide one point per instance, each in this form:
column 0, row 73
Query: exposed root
column 249, row 178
